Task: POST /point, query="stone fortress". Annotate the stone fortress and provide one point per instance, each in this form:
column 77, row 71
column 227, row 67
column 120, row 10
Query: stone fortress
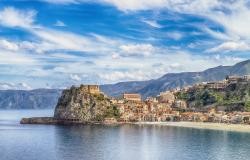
column 92, row 89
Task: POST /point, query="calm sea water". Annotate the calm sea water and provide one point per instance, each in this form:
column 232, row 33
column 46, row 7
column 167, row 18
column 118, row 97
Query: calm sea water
column 128, row 142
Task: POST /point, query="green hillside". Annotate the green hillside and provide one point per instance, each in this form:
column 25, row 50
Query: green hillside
column 235, row 97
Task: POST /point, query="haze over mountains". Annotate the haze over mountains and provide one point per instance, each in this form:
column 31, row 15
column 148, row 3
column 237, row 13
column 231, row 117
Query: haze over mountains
column 29, row 99
column 47, row 98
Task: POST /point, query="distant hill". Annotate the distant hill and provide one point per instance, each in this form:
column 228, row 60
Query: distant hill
column 173, row 80
column 29, row 99
column 47, row 98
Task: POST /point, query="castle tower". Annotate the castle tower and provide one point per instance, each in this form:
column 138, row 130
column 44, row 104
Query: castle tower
column 94, row 89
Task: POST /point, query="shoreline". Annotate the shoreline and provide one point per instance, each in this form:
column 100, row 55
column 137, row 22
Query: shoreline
column 183, row 124
column 202, row 125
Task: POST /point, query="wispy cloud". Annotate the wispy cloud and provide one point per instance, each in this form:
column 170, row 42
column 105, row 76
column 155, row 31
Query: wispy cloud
column 152, row 23
column 230, row 46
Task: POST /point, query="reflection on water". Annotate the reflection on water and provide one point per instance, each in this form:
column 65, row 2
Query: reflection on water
column 127, row 142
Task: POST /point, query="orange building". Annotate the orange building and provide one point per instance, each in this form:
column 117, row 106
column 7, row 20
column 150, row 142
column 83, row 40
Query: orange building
column 166, row 97
column 132, row 96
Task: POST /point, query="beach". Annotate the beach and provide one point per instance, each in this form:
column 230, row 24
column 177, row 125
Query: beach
column 202, row 125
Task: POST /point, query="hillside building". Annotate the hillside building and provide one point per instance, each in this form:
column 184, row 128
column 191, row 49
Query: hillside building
column 132, row 97
column 166, row 97
column 217, row 85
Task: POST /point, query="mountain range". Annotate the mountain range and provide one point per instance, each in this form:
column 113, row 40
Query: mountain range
column 173, row 80
column 47, row 98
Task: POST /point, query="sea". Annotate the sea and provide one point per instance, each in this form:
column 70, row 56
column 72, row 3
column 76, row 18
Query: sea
column 117, row 142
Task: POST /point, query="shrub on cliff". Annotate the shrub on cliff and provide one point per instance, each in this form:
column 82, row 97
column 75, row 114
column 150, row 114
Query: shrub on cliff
column 112, row 112
column 247, row 106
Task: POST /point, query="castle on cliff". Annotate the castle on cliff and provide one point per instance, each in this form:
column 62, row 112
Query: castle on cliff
column 92, row 89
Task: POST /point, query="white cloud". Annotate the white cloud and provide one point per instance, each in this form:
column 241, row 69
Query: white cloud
column 9, row 57
column 215, row 34
column 137, row 50
column 230, row 46
column 15, row 18
column 53, row 40
column 24, row 86
column 59, row 24
column 175, row 35
column 132, row 5
column 61, row 1
column 7, row 45
column 115, row 56
column 14, row 86
column 75, row 77
column 119, row 76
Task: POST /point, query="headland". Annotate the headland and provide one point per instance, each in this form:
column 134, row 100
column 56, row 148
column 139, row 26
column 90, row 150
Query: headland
column 208, row 105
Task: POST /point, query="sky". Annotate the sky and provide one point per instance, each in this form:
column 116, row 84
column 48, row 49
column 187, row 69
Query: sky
column 57, row 43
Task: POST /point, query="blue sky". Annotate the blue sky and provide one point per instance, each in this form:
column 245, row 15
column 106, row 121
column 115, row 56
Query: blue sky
column 57, row 43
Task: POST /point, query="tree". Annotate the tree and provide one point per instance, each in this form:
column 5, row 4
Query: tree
column 247, row 106
column 112, row 112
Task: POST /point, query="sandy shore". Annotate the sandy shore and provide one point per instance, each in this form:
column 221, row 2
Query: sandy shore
column 200, row 125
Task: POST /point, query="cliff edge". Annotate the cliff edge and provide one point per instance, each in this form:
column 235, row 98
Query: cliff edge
column 79, row 105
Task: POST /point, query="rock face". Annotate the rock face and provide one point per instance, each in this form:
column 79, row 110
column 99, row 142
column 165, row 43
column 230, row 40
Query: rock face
column 77, row 103
column 39, row 120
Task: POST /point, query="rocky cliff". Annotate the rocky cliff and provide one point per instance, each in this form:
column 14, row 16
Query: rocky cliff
column 78, row 104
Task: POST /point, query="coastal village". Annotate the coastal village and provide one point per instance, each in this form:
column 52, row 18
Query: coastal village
column 167, row 107
column 87, row 103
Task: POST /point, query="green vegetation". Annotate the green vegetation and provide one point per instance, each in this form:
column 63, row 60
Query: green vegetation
column 110, row 112
column 99, row 97
column 199, row 97
column 99, row 117
column 182, row 95
column 247, row 106
column 234, row 95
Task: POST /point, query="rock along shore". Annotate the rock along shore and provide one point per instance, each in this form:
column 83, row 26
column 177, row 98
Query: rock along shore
column 54, row 121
